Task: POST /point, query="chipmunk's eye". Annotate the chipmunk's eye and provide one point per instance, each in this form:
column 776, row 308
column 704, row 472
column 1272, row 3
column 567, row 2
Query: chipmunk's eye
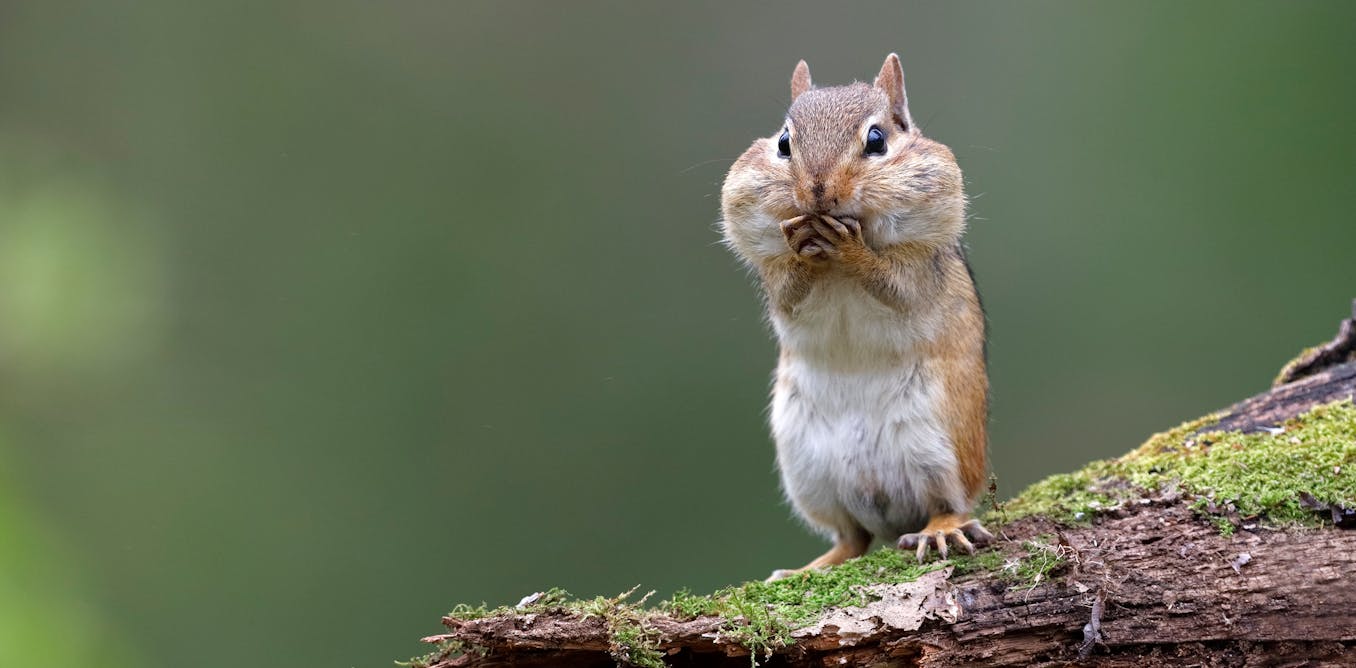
column 784, row 144
column 875, row 141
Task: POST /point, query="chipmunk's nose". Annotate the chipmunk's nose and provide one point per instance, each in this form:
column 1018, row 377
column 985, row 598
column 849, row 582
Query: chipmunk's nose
column 821, row 202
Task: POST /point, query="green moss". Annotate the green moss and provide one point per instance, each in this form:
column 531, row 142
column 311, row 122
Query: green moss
column 1264, row 474
column 1068, row 498
column 758, row 615
column 1258, row 475
column 1225, row 525
column 539, row 602
column 762, row 615
column 983, row 561
column 468, row 611
column 1043, row 557
column 633, row 642
column 1037, row 560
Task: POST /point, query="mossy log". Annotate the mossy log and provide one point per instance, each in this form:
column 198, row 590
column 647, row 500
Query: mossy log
column 1162, row 577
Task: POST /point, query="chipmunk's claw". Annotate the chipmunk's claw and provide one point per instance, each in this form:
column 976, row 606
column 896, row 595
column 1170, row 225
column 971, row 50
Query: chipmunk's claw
column 941, row 530
column 802, row 237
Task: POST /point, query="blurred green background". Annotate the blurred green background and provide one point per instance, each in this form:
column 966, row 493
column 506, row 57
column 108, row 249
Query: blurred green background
column 317, row 318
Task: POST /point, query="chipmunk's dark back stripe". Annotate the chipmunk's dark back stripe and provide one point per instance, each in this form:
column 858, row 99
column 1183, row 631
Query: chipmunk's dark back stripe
column 979, row 299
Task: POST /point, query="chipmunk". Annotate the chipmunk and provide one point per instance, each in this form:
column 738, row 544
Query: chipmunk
column 852, row 220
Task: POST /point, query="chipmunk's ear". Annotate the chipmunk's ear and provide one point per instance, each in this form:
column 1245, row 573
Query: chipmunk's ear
column 891, row 80
column 800, row 80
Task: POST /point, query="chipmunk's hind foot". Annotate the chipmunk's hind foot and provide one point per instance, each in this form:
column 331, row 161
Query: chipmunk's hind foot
column 943, row 528
column 850, row 546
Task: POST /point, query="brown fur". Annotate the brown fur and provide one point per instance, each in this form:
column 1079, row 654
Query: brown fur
column 891, row 223
column 959, row 354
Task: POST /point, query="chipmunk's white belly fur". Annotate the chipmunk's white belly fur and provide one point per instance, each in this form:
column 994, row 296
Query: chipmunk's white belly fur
column 855, row 416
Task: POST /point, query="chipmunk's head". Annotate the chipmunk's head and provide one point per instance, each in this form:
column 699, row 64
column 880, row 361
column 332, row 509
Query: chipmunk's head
column 851, row 151
column 855, row 151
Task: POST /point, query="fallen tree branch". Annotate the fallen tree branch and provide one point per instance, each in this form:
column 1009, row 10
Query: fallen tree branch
column 1148, row 583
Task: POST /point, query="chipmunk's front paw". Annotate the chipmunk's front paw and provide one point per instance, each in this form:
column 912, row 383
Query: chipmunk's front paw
column 943, row 528
column 841, row 235
column 803, row 239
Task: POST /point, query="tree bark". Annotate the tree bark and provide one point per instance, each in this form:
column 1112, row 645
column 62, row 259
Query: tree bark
column 1152, row 584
